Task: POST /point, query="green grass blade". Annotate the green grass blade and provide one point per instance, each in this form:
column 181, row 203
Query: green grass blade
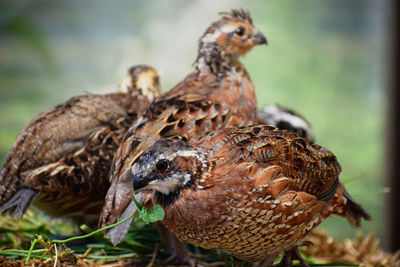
column 94, row 232
column 33, row 242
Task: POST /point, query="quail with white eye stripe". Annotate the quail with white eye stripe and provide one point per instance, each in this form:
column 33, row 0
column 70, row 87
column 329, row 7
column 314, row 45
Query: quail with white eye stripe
column 216, row 95
column 286, row 119
column 252, row 191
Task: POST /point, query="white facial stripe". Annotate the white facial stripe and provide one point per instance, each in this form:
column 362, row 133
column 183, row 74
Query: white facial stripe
column 211, row 37
column 158, row 186
column 172, row 181
column 276, row 114
column 187, row 153
column 271, row 112
column 170, row 184
column 228, row 28
column 181, row 153
column 294, row 120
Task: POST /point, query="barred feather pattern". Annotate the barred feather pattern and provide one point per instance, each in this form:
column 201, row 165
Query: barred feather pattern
column 217, row 94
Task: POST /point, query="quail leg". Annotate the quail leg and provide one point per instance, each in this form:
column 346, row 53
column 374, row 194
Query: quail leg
column 291, row 255
column 267, row 262
column 19, row 203
column 177, row 250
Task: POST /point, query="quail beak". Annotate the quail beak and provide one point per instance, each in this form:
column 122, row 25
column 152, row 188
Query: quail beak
column 258, row 38
column 140, row 183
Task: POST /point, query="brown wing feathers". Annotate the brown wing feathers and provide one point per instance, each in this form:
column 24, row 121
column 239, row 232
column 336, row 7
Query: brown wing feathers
column 272, row 184
column 64, row 154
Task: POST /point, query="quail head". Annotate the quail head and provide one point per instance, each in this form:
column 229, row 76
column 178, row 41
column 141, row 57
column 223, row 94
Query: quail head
column 286, row 119
column 61, row 159
column 141, row 80
column 252, row 191
column 217, row 94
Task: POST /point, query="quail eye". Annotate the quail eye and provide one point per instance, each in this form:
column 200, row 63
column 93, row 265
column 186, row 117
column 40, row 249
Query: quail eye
column 162, row 165
column 240, row 31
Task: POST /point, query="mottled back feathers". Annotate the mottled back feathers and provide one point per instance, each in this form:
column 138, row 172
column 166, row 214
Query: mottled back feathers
column 251, row 191
column 219, row 93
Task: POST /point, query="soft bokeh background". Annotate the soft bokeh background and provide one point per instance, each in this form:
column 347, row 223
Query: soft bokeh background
column 325, row 59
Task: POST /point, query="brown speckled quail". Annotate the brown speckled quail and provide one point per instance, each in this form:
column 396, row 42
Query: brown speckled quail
column 61, row 160
column 286, row 119
column 217, row 94
column 252, row 191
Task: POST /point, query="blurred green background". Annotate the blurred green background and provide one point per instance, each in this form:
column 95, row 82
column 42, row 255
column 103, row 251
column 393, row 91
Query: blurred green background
column 325, row 59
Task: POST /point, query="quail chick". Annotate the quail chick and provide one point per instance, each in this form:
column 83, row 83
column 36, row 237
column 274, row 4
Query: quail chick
column 286, row 119
column 61, row 159
column 217, row 94
column 252, row 192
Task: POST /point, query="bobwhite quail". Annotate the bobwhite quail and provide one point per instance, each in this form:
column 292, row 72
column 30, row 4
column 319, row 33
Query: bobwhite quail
column 286, row 119
column 141, row 80
column 219, row 93
column 252, row 191
column 61, row 159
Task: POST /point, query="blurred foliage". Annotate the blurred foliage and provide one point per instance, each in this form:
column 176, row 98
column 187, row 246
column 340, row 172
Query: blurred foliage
column 20, row 28
column 324, row 59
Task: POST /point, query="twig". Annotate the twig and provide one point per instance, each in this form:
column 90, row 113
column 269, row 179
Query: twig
column 45, row 253
column 56, row 256
column 153, row 258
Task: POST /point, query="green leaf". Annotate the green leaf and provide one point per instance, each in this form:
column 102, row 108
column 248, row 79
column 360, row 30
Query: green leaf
column 156, row 213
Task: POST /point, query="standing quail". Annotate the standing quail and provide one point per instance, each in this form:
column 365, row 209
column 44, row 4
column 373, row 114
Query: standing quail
column 61, row 159
column 251, row 191
column 286, row 119
column 218, row 94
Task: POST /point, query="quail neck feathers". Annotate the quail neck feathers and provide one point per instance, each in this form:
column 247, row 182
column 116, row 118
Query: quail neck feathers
column 217, row 94
column 61, row 159
column 250, row 191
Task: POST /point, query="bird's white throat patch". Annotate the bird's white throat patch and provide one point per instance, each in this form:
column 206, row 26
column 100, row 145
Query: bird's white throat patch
column 171, row 184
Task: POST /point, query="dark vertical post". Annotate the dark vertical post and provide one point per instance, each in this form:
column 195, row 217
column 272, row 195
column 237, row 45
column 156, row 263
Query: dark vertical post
column 392, row 204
